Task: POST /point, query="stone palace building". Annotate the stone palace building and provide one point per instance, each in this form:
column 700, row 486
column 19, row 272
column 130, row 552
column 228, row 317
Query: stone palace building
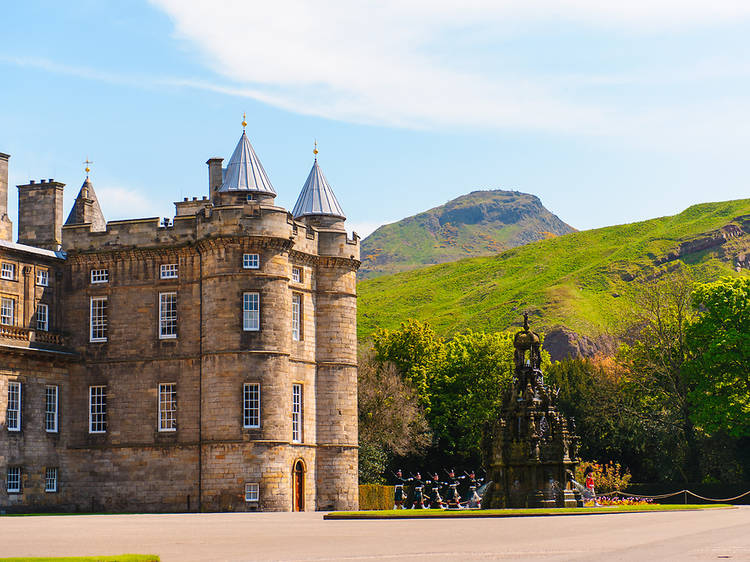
column 202, row 363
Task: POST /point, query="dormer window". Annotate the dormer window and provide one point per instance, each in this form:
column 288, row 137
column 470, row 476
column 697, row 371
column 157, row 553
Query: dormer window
column 250, row 261
column 99, row 275
column 168, row 271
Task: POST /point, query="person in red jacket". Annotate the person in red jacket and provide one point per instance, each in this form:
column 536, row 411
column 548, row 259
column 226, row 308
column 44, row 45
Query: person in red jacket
column 589, row 474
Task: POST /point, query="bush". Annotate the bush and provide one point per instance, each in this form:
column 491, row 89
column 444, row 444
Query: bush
column 607, row 477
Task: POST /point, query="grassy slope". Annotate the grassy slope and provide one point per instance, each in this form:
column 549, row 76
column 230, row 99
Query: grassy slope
column 572, row 280
column 476, row 224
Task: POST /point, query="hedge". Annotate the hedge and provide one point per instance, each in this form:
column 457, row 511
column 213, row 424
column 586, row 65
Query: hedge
column 375, row 496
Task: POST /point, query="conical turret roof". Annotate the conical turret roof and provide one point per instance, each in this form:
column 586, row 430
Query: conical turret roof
column 317, row 197
column 86, row 209
column 245, row 172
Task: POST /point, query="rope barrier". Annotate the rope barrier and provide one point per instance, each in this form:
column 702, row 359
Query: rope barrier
column 664, row 496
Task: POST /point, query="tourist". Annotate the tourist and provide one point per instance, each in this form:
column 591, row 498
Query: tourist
column 589, row 474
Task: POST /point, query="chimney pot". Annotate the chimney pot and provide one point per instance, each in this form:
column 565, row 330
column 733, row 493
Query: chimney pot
column 51, row 180
column 32, row 182
column 44, row 181
column 195, row 198
column 184, row 199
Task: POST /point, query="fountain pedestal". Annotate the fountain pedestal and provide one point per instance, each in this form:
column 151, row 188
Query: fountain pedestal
column 531, row 449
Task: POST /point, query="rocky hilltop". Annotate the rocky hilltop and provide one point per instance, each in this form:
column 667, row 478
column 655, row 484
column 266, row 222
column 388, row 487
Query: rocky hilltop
column 480, row 223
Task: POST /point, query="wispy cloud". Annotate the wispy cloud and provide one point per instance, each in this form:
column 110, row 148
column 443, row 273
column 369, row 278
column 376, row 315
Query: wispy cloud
column 400, row 63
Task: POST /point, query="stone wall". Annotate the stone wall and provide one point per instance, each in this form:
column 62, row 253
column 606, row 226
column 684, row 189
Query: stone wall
column 207, row 461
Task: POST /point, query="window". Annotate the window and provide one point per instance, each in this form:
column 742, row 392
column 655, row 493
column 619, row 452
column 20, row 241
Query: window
column 14, row 406
column 296, row 316
column 99, row 275
column 250, row 261
column 50, row 480
column 97, row 409
column 50, row 409
column 7, row 311
column 252, row 491
column 297, row 274
column 251, row 405
column 167, row 315
column 42, row 317
column 251, row 312
column 168, row 407
column 8, row 271
column 42, row 277
column 13, row 482
column 98, row 319
column 168, row 271
column 296, row 413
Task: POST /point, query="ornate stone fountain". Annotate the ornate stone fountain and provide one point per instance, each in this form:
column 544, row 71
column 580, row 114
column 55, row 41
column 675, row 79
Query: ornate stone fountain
column 530, row 449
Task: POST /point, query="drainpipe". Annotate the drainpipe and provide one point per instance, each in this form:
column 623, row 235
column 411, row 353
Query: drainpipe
column 200, row 382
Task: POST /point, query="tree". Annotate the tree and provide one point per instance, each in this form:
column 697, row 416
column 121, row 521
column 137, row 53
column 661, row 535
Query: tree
column 391, row 421
column 656, row 380
column 416, row 351
column 719, row 370
column 467, row 389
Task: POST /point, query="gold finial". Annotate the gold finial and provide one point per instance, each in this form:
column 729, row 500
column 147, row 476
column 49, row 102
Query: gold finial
column 244, row 121
column 88, row 169
column 315, row 149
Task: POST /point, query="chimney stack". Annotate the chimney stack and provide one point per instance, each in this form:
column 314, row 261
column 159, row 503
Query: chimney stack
column 6, row 227
column 40, row 214
column 215, row 177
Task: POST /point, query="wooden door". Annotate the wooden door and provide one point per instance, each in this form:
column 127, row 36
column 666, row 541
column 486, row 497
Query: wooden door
column 299, row 486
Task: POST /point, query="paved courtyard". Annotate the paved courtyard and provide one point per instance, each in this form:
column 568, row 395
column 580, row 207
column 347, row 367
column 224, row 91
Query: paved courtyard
column 706, row 535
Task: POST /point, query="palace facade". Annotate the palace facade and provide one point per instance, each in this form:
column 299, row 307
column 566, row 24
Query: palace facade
column 201, row 363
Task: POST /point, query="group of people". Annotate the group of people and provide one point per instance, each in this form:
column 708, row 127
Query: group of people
column 427, row 492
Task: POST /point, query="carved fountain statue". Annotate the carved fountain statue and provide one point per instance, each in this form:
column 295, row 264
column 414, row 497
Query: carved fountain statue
column 532, row 447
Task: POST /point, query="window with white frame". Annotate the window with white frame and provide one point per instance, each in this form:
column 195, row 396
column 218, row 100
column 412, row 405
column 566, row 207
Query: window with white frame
column 98, row 319
column 50, row 409
column 42, row 277
column 168, row 271
column 8, row 271
column 296, row 316
column 168, row 407
column 13, row 480
column 42, row 317
column 97, row 409
column 13, row 411
column 50, row 479
column 251, row 312
column 296, row 413
column 7, row 311
column 167, row 315
column 251, row 405
column 297, row 274
column 99, row 275
column 250, row 261
column 252, row 491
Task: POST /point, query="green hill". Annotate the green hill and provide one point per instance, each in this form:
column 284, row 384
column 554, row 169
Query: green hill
column 583, row 281
column 480, row 223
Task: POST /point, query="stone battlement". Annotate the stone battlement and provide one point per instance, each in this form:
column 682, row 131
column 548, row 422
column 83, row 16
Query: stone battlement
column 209, row 221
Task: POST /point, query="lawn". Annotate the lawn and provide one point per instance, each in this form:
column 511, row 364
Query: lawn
column 535, row 512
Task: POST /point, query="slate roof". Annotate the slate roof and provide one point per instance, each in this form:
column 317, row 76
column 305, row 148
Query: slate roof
column 317, row 197
column 77, row 213
column 245, row 172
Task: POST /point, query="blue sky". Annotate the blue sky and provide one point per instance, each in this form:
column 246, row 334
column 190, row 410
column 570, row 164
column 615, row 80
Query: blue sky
column 609, row 113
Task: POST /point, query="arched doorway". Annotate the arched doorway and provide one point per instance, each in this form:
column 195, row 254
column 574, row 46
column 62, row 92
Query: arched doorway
column 298, row 486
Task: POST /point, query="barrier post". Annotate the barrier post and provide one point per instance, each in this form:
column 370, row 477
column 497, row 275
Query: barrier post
column 685, row 497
